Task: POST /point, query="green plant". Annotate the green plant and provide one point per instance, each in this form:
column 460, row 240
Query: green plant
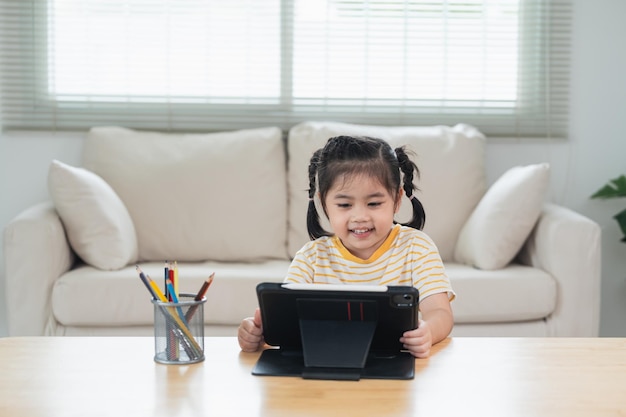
column 615, row 188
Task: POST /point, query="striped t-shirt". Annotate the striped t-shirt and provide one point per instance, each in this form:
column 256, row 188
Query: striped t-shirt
column 407, row 257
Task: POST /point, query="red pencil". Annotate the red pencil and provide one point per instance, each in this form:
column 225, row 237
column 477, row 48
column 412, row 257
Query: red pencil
column 172, row 279
column 205, row 286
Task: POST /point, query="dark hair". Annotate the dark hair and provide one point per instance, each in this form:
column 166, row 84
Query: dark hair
column 348, row 155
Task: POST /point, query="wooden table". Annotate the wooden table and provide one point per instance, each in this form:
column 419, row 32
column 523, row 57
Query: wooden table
column 502, row 377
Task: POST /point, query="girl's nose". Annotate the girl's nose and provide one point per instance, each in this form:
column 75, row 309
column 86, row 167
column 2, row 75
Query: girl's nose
column 359, row 214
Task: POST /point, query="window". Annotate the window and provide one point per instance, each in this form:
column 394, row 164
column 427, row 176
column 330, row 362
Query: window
column 502, row 66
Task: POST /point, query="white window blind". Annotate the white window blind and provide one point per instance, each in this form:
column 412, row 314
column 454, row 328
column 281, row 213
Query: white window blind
column 188, row 65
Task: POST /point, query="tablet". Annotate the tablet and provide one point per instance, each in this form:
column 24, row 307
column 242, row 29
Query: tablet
column 336, row 331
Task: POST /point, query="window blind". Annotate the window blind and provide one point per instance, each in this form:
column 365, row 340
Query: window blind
column 206, row 65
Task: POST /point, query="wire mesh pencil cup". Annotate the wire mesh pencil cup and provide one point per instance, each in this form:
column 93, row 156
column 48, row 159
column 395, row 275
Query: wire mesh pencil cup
column 179, row 330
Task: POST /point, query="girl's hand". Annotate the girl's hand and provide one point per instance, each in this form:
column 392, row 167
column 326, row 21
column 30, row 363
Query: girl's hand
column 436, row 325
column 418, row 341
column 250, row 333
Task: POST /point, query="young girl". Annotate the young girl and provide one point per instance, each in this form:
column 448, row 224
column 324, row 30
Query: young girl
column 359, row 180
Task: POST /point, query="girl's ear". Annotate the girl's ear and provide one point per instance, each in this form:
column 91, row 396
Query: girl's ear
column 319, row 196
column 398, row 200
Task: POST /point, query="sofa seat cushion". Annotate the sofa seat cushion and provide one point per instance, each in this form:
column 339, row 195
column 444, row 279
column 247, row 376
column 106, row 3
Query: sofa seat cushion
column 86, row 296
column 195, row 197
column 514, row 293
column 451, row 164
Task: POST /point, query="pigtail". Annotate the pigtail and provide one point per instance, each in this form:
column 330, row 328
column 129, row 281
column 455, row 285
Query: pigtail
column 313, row 225
column 408, row 167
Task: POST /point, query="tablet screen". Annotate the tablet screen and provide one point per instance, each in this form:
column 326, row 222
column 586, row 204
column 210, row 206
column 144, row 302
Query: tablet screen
column 388, row 310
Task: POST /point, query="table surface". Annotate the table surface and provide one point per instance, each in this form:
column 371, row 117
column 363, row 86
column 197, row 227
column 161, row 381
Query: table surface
column 106, row 376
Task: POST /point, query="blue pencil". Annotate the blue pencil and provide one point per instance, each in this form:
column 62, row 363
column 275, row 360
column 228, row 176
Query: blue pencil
column 174, row 298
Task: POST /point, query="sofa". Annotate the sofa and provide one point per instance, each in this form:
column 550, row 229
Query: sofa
column 234, row 203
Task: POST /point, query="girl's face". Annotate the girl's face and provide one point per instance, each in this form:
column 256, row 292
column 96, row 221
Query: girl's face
column 361, row 211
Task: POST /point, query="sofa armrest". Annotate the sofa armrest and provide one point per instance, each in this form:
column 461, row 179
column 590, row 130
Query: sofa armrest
column 567, row 245
column 36, row 254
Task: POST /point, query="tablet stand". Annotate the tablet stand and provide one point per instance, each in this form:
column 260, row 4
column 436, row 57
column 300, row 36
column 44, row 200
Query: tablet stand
column 335, row 349
column 290, row 362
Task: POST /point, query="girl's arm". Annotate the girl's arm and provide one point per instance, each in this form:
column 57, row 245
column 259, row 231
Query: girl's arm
column 437, row 313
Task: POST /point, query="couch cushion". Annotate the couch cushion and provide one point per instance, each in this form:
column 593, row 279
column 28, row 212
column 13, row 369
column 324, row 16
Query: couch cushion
column 86, row 296
column 194, row 197
column 97, row 223
column 450, row 159
column 514, row 293
column 504, row 217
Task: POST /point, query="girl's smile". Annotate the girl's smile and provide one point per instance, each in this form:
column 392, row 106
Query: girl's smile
column 361, row 232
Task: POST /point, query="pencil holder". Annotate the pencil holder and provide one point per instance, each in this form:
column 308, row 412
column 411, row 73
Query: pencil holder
column 179, row 330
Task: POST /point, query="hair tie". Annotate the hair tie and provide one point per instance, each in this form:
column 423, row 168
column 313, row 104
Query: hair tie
column 412, row 197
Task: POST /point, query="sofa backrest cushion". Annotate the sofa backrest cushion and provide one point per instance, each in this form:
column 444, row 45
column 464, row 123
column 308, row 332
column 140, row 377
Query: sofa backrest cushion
column 450, row 160
column 194, row 197
column 505, row 216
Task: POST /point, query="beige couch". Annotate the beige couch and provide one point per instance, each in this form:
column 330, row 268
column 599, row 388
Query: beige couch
column 234, row 203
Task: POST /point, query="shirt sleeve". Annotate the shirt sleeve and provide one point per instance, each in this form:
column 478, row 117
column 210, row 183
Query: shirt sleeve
column 430, row 276
column 301, row 269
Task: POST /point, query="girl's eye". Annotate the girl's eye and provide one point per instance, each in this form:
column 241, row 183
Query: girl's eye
column 343, row 205
column 374, row 204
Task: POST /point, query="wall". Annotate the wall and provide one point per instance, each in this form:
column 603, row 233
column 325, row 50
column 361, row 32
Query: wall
column 598, row 140
column 595, row 152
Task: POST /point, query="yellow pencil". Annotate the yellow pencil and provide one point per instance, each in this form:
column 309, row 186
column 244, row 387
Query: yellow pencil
column 157, row 290
column 176, row 278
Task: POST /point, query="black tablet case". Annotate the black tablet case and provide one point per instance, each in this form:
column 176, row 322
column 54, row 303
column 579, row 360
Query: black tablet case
column 337, row 334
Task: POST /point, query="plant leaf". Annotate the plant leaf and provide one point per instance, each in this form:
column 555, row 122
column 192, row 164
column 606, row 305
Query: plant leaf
column 621, row 220
column 613, row 189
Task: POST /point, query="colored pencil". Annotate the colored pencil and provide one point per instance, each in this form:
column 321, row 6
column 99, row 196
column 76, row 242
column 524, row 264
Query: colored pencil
column 205, row 286
column 199, row 296
column 171, row 278
column 160, row 296
column 175, row 282
column 166, row 275
column 174, row 298
column 145, row 282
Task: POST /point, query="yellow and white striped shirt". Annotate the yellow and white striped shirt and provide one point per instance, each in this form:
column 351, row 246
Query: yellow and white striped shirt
column 407, row 257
